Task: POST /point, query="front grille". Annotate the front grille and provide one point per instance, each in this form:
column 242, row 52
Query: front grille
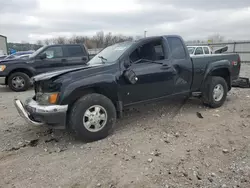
column 41, row 98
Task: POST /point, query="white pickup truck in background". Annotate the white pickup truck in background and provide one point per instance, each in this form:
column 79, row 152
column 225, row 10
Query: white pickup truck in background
column 199, row 50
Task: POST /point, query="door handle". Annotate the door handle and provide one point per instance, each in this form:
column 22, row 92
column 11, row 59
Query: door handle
column 64, row 60
column 165, row 66
column 84, row 58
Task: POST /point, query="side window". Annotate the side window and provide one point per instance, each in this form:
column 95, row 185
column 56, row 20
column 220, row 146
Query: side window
column 54, row 52
column 75, row 51
column 206, row 50
column 177, row 48
column 135, row 55
column 198, row 51
column 150, row 51
column 159, row 52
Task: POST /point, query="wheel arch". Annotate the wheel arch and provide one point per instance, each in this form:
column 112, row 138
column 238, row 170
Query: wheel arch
column 80, row 92
column 224, row 73
column 218, row 68
column 29, row 72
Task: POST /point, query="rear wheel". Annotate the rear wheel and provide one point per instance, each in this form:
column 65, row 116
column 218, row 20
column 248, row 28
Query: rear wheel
column 92, row 117
column 19, row 81
column 215, row 92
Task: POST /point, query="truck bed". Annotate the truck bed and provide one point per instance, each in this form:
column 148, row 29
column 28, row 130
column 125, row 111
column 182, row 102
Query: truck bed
column 200, row 64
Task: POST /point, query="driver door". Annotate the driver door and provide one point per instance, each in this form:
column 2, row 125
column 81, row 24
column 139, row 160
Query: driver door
column 155, row 79
column 53, row 60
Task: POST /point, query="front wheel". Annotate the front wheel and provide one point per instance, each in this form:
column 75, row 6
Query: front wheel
column 19, row 81
column 92, row 117
column 215, row 92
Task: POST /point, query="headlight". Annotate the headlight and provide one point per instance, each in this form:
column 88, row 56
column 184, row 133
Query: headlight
column 2, row 67
column 48, row 86
column 47, row 98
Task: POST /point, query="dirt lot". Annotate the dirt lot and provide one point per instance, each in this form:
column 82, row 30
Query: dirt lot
column 159, row 145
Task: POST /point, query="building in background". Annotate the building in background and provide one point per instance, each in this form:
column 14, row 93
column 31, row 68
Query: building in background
column 3, row 45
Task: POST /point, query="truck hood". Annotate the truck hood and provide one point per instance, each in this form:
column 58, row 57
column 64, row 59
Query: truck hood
column 49, row 75
column 15, row 61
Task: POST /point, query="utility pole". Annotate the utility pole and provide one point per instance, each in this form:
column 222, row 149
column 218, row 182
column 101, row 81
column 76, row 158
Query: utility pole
column 145, row 34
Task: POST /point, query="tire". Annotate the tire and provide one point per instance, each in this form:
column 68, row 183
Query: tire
column 79, row 114
column 24, row 77
column 212, row 84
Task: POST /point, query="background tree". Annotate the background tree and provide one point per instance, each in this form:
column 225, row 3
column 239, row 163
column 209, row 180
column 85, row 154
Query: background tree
column 59, row 40
column 99, row 40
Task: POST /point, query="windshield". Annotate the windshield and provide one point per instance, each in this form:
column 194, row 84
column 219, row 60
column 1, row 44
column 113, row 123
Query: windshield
column 191, row 50
column 110, row 54
column 37, row 52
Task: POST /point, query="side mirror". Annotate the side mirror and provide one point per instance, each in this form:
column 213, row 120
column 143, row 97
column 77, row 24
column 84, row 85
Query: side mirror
column 43, row 56
column 130, row 76
column 127, row 63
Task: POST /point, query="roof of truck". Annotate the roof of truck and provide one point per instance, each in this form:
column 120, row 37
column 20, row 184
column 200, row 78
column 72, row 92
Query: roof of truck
column 156, row 37
column 63, row 44
column 196, row 46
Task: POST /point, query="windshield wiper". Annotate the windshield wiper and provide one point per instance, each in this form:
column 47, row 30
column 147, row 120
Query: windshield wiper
column 103, row 59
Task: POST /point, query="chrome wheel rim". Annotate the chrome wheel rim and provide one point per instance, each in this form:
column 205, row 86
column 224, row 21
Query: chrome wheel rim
column 95, row 118
column 218, row 92
column 18, row 82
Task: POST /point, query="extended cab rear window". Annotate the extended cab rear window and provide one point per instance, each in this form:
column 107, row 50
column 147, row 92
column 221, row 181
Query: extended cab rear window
column 176, row 48
column 75, row 51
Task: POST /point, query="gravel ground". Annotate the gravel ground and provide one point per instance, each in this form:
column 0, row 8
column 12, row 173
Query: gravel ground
column 159, row 145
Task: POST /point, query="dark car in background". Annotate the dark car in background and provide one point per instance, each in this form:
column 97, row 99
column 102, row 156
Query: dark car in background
column 16, row 72
column 2, row 57
column 13, row 57
column 17, row 55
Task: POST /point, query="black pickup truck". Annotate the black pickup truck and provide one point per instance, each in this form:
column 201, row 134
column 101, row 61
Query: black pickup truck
column 17, row 73
column 88, row 99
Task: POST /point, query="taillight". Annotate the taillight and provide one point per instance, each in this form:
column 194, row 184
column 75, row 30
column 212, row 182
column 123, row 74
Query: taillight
column 234, row 63
column 239, row 60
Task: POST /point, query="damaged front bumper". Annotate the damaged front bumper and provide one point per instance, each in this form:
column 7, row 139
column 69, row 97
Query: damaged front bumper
column 35, row 114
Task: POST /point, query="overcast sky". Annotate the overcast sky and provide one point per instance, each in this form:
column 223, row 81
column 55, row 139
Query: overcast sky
column 31, row 20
